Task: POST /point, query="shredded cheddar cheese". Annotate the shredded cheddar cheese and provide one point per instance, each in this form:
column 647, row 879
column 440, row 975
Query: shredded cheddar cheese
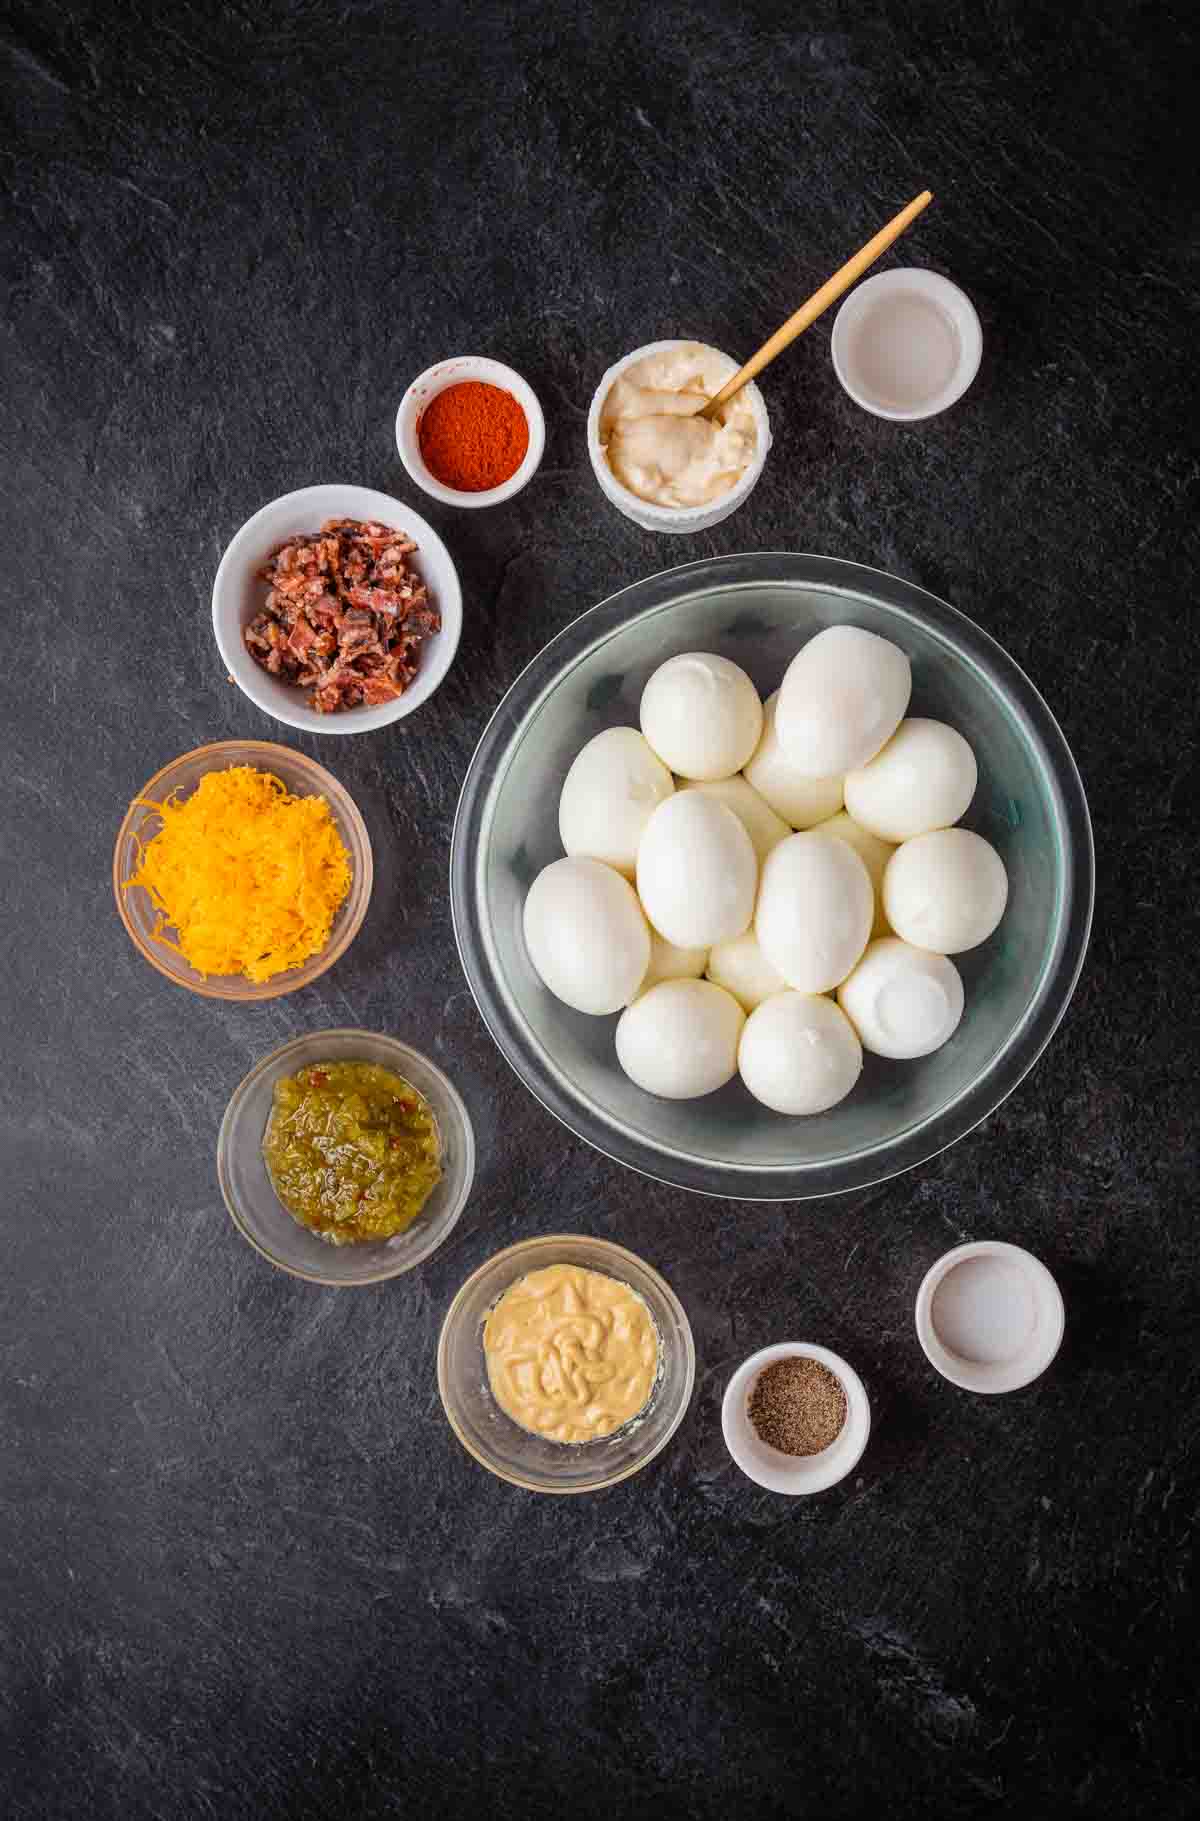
column 248, row 876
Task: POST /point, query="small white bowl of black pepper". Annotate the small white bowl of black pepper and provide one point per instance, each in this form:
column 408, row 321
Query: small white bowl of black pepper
column 796, row 1418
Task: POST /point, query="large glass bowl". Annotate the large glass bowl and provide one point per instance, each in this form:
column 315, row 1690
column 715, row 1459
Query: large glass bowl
column 758, row 610
column 534, row 1461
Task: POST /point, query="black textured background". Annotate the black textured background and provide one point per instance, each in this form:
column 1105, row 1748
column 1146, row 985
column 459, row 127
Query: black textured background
column 245, row 1569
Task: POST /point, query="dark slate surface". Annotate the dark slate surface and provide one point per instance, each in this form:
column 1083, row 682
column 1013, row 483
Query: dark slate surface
column 245, row 1569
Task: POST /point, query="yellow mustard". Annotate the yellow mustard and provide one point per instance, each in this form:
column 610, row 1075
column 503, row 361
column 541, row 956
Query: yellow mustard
column 571, row 1354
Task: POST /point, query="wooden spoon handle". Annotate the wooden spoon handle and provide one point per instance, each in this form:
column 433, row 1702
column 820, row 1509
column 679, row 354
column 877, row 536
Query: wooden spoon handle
column 820, row 300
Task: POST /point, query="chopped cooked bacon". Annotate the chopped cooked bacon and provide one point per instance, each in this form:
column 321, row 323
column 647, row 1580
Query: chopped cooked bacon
column 380, row 689
column 345, row 616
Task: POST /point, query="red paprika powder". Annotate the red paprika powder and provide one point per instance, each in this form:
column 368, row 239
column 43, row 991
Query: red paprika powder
column 473, row 436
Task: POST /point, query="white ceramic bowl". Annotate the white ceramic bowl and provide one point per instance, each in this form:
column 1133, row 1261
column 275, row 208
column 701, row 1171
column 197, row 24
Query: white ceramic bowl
column 906, row 344
column 238, row 594
column 794, row 1474
column 675, row 520
column 989, row 1316
column 455, row 372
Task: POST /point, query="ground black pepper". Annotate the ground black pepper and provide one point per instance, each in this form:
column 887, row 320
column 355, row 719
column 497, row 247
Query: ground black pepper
column 797, row 1405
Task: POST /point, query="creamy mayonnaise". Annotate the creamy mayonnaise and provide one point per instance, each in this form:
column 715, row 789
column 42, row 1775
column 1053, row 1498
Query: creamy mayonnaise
column 571, row 1353
column 654, row 442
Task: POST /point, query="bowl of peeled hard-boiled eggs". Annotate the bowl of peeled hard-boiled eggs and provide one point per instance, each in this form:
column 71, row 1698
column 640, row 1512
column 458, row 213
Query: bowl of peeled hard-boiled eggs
column 772, row 875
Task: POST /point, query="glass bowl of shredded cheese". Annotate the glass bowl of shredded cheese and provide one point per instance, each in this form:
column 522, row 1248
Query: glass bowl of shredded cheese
column 242, row 870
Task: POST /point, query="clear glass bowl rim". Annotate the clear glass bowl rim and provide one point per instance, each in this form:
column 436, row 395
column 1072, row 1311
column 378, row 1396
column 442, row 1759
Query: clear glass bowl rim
column 521, row 1256
column 399, row 1052
column 264, row 753
column 1061, row 971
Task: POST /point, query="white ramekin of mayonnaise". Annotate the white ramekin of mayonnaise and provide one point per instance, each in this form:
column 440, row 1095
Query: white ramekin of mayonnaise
column 655, row 459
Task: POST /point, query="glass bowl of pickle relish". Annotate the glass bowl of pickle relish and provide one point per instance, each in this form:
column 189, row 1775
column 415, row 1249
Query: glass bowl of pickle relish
column 345, row 1157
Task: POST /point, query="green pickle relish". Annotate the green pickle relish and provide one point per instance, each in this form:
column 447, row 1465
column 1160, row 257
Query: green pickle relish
column 352, row 1150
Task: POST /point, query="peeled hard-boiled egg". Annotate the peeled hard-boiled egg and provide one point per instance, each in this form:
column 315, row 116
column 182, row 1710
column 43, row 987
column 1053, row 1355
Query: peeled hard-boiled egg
column 696, row 871
column 815, row 908
column 945, row 891
column 801, row 801
column 680, row 1039
column 586, row 935
column 842, row 696
column 755, row 814
column 924, row 778
column 670, row 963
column 743, row 970
column 902, row 1001
column 608, row 796
column 874, row 855
column 799, row 1054
column 702, row 715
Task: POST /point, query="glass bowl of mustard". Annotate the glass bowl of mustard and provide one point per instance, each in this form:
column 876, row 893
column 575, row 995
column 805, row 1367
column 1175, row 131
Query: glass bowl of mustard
column 250, row 1195
column 514, row 1452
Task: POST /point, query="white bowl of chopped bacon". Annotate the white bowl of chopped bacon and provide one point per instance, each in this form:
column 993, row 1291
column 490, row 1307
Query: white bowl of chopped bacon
column 337, row 609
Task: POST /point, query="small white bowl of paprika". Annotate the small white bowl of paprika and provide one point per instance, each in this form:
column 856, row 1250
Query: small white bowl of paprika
column 470, row 431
